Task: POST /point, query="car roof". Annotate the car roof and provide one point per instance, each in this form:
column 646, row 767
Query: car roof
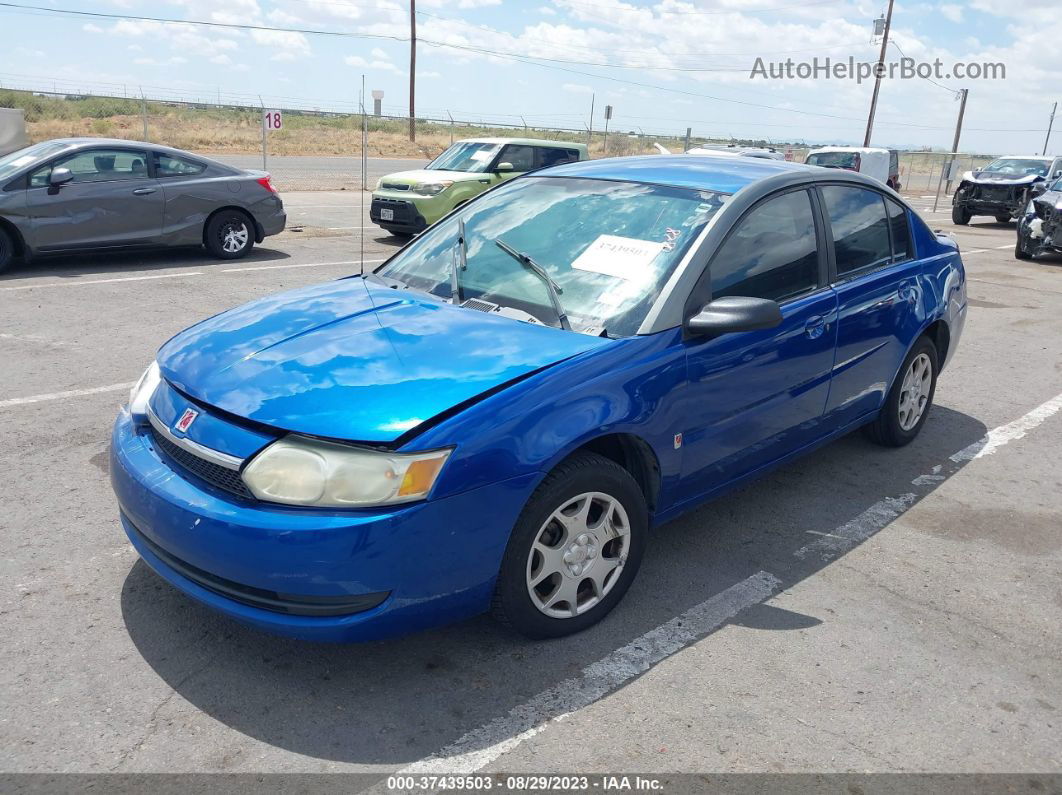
column 719, row 173
column 86, row 142
column 859, row 149
column 528, row 141
column 1045, row 158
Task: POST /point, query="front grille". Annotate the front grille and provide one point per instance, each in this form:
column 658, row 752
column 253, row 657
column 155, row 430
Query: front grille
column 404, row 211
column 217, row 476
column 995, row 194
column 394, row 186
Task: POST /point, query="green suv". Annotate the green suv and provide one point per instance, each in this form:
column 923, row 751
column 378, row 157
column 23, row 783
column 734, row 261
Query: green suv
column 409, row 201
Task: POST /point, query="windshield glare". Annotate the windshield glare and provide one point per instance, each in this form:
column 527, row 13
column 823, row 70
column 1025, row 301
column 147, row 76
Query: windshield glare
column 12, row 162
column 1017, row 167
column 465, row 156
column 609, row 246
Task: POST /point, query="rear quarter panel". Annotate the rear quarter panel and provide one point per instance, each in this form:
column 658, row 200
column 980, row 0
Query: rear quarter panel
column 190, row 201
column 943, row 282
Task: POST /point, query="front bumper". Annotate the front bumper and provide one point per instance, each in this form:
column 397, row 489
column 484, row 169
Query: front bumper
column 318, row 575
column 410, row 213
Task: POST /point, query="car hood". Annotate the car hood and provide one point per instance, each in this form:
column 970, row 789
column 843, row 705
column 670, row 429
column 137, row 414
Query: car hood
column 432, row 175
column 356, row 361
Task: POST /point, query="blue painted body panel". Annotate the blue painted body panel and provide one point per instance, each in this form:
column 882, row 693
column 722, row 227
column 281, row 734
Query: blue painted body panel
column 353, row 361
column 350, row 360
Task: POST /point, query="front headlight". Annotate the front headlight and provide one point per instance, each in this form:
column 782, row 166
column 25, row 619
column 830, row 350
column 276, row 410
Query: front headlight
column 432, row 188
column 142, row 391
column 297, row 470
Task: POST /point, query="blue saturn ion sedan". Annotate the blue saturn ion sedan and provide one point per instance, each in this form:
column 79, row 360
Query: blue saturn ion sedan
column 497, row 417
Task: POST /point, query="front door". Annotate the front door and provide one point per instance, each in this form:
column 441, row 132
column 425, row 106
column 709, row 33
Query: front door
column 111, row 200
column 756, row 396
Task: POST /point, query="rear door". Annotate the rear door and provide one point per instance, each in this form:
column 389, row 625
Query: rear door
column 876, row 277
column 111, row 200
column 756, row 396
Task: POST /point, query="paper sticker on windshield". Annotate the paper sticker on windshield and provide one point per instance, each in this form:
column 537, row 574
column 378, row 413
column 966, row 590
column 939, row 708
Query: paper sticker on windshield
column 620, row 257
column 482, row 154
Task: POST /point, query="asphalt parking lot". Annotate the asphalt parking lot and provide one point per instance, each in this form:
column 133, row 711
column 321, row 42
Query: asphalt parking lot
column 860, row 610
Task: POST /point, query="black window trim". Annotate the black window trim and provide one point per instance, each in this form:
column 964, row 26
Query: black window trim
column 701, row 293
column 145, row 153
column 834, row 278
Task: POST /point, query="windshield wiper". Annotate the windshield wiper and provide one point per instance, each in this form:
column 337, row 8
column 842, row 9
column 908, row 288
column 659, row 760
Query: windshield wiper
column 459, row 263
column 553, row 288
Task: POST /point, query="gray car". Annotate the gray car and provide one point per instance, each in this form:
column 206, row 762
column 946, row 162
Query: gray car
column 77, row 194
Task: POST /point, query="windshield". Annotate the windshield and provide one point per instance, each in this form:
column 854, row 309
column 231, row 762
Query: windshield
column 834, row 160
column 608, row 246
column 10, row 163
column 1018, row 167
column 465, row 156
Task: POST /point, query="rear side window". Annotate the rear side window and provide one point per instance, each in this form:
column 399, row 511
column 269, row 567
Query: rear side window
column 900, row 230
column 771, row 253
column 551, row 156
column 170, row 166
column 860, row 228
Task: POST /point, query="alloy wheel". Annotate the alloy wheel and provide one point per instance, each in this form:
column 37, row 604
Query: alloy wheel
column 914, row 392
column 578, row 555
column 234, row 236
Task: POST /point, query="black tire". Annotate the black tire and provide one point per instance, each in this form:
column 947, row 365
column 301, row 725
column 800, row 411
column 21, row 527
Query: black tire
column 886, row 429
column 402, row 235
column 1003, row 218
column 7, row 251
column 960, row 215
column 1019, row 248
column 216, row 236
column 578, row 475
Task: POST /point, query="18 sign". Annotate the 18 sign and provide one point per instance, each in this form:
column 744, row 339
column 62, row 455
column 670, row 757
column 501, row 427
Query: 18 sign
column 273, row 120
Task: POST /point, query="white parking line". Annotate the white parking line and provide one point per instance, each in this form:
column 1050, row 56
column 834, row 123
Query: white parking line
column 81, row 282
column 299, row 265
column 478, row 748
column 60, row 395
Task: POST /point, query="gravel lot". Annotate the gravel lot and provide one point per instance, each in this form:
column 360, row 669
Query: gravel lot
column 859, row 610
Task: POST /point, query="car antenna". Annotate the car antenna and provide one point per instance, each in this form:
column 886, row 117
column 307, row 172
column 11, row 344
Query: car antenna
column 364, row 172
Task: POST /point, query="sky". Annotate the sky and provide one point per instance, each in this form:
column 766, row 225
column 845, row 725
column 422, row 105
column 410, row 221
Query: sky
column 663, row 66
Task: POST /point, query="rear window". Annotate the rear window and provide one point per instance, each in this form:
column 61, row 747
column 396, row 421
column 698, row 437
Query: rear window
column 848, row 160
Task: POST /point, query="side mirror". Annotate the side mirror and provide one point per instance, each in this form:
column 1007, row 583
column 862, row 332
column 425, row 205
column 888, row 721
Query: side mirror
column 503, row 167
column 734, row 313
column 59, row 176
column 1058, row 173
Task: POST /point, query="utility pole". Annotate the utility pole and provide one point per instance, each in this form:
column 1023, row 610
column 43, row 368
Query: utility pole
column 1050, row 124
column 143, row 112
column 963, row 92
column 412, row 68
column 590, row 128
column 877, row 76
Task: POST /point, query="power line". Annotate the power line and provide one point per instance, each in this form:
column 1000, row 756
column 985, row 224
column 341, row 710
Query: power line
column 614, row 9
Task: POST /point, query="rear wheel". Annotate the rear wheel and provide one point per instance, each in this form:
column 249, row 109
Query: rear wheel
column 1003, row 218
column 229, row 234
column 960, row 215
column 574, row 550
column 908, row 402
column 7, row 250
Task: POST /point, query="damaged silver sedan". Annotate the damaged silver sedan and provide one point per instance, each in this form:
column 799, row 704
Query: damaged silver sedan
column 1040, row 227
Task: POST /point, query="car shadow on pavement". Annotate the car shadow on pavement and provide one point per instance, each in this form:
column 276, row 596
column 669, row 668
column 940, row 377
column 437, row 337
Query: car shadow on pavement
column 128, row 262
column 398, row 701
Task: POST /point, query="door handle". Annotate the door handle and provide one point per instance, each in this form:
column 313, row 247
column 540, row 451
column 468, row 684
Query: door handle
column 815, row 327
column 144, row 191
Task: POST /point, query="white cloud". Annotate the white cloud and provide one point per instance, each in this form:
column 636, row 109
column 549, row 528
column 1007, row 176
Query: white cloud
column 577, row 88
column 294, row 44
column 90, row 28
column 376, row 64
column 952, row 12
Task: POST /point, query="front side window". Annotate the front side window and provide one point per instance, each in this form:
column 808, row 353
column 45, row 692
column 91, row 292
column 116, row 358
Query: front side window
column 465, row 156
column 522, row 157
column 171, row 166
column 609, row 246
column 96, row 165
column 860, row 228
column 771, row 253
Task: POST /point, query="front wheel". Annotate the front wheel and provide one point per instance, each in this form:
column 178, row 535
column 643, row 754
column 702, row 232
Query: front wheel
column 960, row 215
column 7, row 250
column 1020, row 252
column 229, row 234
column 574, row 550
column 908, row 402
column 1003, row 218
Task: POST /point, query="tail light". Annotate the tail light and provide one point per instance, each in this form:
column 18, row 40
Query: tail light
column 267, row 183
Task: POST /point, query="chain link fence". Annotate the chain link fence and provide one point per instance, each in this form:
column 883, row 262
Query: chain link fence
column 318, row 150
